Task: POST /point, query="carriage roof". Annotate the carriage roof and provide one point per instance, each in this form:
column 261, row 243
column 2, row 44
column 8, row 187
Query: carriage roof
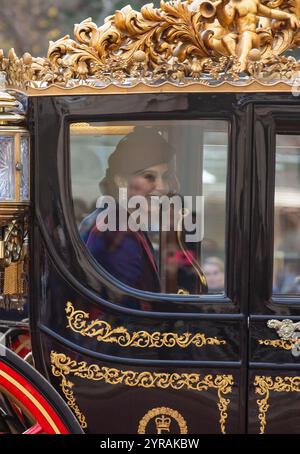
column 181, row 46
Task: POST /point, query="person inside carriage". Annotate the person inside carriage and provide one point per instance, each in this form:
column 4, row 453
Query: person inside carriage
column 142, row 163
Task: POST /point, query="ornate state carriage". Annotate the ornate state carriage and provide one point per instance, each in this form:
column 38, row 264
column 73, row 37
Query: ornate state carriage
column 152, row 331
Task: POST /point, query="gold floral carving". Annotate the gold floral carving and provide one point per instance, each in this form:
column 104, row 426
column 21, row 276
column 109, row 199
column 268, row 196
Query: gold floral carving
column 182, row 41
column 163, row 417
column 264, row 385
column 278, row 343
column 78, row 321
column 63, row 366
column 67, row 389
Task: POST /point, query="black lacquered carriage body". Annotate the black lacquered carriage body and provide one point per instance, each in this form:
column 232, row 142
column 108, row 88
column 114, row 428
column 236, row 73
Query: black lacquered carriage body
column 153, row 333
column 232, row 363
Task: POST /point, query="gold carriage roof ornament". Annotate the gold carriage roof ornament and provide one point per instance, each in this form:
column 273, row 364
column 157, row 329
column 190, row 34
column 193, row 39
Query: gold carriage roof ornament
column 200, row 45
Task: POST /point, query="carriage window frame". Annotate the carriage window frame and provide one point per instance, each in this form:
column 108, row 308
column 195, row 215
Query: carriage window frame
column 209, row 298
column 282, row 127
column 279, row 115
column 269, row 120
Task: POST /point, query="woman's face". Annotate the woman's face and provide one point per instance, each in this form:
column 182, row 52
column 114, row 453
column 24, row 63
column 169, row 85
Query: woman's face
column 214, row 276
column 153, row 181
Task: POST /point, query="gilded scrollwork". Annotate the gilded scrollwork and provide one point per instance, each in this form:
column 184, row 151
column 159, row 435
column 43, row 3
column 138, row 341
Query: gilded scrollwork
column 264, row 385
column 67, row 389
column 278, row 343
column 63, row 366
column 181, row 42
column 79, row 322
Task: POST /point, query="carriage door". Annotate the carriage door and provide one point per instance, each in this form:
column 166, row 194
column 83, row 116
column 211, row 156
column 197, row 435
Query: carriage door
column 274, row 376
column 144, row 331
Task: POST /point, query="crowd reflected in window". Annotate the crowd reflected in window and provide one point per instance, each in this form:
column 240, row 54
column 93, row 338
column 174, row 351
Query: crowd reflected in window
column 286, row 275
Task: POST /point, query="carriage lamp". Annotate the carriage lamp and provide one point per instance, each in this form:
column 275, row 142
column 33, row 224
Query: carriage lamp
column 14, row 201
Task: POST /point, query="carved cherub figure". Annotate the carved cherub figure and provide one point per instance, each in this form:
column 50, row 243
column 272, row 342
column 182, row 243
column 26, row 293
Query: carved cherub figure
column 242, row 17
column 235, row 27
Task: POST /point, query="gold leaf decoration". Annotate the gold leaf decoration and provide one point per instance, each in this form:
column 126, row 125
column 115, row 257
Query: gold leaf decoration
column 264, row 385
column 278, row 343
column 63, row 366
column 163, row 417
column 181, row 42
column 78, row 322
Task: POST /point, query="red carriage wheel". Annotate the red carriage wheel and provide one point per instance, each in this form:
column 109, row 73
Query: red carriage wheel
column 18, row 340
column 28, row 404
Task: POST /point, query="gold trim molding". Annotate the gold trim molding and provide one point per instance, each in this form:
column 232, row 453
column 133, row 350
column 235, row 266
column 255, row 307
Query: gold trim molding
column 90, row 129
column 249, row 86
column 207, row 42
column 79, row 322
column 63, row 367
column 264, row 385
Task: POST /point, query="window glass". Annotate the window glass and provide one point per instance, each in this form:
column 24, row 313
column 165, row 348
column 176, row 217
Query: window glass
column 150, row 200
column 286, row 275
column 7, row 174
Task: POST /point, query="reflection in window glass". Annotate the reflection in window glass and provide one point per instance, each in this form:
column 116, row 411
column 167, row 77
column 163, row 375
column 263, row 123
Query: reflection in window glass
column 286, row 276
column 168, row 182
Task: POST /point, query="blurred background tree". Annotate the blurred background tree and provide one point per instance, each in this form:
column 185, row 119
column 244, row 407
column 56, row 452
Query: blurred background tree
column 29, row 25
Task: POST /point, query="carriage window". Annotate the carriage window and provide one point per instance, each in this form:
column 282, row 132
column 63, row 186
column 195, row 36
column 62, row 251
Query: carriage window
column 150, row 201
column 286, row 275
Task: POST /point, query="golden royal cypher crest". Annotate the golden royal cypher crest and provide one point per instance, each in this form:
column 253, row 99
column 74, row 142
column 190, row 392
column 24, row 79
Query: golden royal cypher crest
column 162, row 419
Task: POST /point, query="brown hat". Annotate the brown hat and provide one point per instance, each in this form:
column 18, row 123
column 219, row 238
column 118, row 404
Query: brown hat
column 141, row 149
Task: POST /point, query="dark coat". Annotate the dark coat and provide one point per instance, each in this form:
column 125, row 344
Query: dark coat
column 128, row 256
